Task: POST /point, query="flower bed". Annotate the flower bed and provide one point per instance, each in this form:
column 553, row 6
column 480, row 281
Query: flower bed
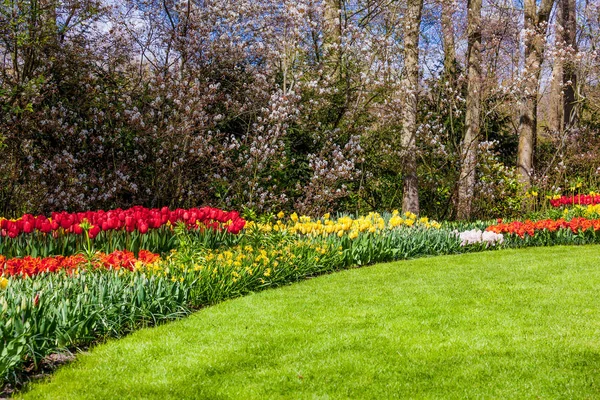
column 578, row 199
column 120, row 259
column 48, row 304
column 575, row 225
column 345, row 225
column 136, row 218
column 134, row 229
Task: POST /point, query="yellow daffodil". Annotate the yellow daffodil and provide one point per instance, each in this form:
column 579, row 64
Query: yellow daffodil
column 372, row 222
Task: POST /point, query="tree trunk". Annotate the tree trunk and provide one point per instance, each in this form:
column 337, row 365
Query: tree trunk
column 535, row 26
column 448, row 37
column 555, row 112
column 183, row 36
column 332, row 34
column 466, row 183
column 410, row 200
column 569, row 24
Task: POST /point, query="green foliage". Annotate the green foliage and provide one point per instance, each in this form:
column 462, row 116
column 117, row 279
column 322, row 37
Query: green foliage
column 499, row 193
column 441, row 119
column 381, row 189
column 54, row 312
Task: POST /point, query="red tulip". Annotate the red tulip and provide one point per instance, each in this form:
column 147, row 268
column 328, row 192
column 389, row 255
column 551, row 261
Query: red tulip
column 66, row 223
column 143, row 227
column 94, row 231
column 28, row 227
column 77, row 229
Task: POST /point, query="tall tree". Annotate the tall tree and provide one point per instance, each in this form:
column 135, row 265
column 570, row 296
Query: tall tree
column 466, row 183
column 332, row 29
column 535, row 31
column 569, row 24
column 448, row 37
column 410, row 200
column 555, row 112
column 562, row 113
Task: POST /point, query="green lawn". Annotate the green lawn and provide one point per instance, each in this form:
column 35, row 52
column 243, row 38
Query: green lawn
column 504, row 324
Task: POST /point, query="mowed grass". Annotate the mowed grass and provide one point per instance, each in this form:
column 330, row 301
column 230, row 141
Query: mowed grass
column 505, row 324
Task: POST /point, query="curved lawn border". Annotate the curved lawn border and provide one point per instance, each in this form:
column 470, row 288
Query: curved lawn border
column 505, row 324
